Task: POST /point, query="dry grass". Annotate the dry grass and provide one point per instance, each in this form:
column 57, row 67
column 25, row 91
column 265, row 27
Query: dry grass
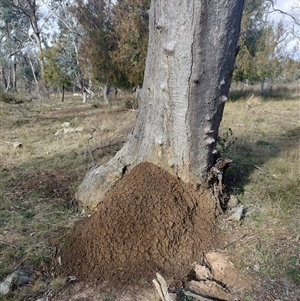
column 39, row 178
column 265, row 176
column 40, row 175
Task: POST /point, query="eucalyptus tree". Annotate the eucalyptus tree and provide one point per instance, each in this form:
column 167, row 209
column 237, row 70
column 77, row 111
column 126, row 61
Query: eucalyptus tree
column 29, row 10
column 191, row 54
column 66, row 43
column 13, row 38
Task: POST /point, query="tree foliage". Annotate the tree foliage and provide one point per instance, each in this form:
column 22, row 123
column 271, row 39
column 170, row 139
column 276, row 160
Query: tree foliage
column 104, row 42
column 131, row 30
column 262, row 43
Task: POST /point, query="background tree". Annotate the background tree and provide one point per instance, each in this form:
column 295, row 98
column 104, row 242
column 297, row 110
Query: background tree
column 263, row 45
column 69, row 38
column 13, row 38
column 254, row 31
column 29, row 11
column 57, row 68
column 190, row 60
column 95, row 18
column 131, row 29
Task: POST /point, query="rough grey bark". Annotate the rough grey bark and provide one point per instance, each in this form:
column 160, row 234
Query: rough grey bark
column 4, row 80
column 84, row 96
column 14, row 69
column 106, row 92
column 63, row 93
column 189, row 66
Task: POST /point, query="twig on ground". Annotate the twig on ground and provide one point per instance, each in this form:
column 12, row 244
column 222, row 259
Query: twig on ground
column 259, row 168
column 248, row 106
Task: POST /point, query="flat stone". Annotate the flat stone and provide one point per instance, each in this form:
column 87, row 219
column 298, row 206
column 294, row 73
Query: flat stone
column 202, row 272
column 207, row 288
column 223, row 270
column 233, row 202
column 66, row 125
column 236, row 214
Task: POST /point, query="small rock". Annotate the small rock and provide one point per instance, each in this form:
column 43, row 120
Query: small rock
column 79, row 129
column 250, row 210
column 202, row 272
column 18, row 278
column 42, row 299
column 222, row 268
column 66, row 125
column 208, row 288
column 21, row 278
column 59, row 132
column 6, row 285
column 17, row 144
column 69, row 130
column 236, row 214
column 233, row 202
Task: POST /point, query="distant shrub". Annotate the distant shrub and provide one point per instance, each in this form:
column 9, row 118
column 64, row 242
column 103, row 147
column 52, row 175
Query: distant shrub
column 10, row 98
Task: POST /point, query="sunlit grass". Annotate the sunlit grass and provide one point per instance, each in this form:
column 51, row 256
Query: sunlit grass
column 265, row 175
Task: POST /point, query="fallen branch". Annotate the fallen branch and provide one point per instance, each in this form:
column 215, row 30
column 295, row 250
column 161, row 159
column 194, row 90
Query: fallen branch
column 248, row 106
column 259, row 168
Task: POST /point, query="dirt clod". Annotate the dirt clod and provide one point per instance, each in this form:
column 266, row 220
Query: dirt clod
column 149, row 222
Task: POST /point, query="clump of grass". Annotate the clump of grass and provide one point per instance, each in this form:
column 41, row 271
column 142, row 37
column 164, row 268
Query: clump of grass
column 57, row 284
column 10, row 98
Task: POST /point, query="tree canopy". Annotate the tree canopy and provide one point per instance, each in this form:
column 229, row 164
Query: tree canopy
column 101, row 42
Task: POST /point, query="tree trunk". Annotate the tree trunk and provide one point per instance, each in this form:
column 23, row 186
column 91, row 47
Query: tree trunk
column 262, row 87
column 63, row 93
column 106, row 91
column 190, row 61
column 4, row 80
column 84, row 96
column 14, row 81
column 35, row 78
column 33, row 17
column 8, row 80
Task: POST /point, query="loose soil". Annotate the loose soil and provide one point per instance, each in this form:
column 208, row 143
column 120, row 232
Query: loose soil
column 149, row 222
column 47, row 184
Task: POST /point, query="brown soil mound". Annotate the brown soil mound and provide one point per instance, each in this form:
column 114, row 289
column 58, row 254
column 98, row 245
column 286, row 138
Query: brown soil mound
column 149, row 222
